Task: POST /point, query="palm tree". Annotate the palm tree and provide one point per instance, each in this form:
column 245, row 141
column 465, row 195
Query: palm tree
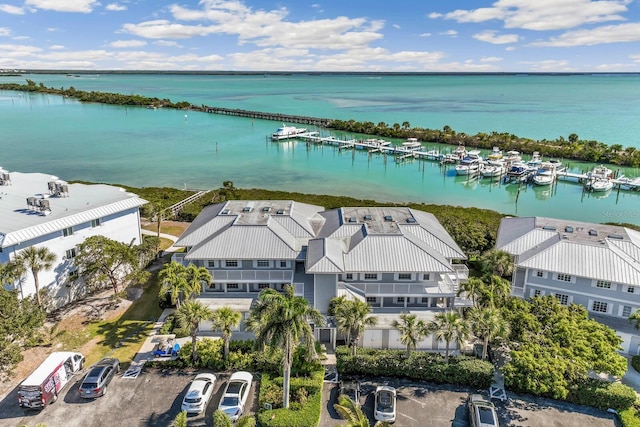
column 195, row 276
column 352, row 317
column 450, row 326
column 35, row 260
column 351, row 412
column 412, row 331
column 282, row 320
column 173, row 281
column 488, row 324
column 12, row 272
column 225, row 319
column 498, row 262
column 473, row 288
column 189, row 315
column 495, row 289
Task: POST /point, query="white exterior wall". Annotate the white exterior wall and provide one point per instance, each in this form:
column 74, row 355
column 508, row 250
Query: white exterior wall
column 123, row 227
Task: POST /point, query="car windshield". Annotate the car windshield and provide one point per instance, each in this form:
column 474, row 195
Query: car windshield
column 486, row 415
column 192, row 399
column 229, row 401
column 89, row 385
column 385, row 402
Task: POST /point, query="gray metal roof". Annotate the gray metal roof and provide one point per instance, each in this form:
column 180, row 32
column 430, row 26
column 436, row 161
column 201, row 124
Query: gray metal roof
column 597, row 251
column 81, row 204
column 325, row 256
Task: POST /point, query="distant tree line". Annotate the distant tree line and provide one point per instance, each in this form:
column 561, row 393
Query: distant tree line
column 570, row 148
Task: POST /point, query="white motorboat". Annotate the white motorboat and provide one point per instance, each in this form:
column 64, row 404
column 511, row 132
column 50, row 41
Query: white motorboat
column 546, row 174
column 489, row 170
column 470, row 164
column 600, row 185
column 600, row 171
column 412, row 144
column 286, row 132
column 495, row 155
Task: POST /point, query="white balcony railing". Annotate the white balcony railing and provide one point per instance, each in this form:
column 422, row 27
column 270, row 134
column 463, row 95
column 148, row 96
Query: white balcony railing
column 252, row 276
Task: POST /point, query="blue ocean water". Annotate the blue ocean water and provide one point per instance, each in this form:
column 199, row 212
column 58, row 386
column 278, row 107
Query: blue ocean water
column 145, row 147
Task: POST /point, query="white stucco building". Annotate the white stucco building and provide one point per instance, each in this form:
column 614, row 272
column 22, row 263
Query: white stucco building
column 37, row 209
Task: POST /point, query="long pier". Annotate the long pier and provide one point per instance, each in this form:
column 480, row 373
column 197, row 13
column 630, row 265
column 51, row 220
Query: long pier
column 278, row 117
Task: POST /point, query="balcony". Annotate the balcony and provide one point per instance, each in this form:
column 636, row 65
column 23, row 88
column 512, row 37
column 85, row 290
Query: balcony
column 252, row 276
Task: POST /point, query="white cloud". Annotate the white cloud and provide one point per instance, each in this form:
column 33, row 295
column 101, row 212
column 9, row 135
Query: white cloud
column 163, row 28
column 616, row 67
column 452, row 33
column 606, row 34
column 128, row 43
column 434, row 15
column 543, row 15
column 494, row 38
column 635, row 57
column 5, row 32
column 82, row 6
column 115, row 7
column 425, row 35
column 20, row 38
column 56, row 47
column 490, row 59
column 12, row 10
column 548, row 65
column 510, row 48
column 167, row 43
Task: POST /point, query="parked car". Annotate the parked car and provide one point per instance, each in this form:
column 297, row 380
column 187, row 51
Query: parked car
column 199, row 393
column 98, row 378
column 351, row 389
column 385, row 404
column 482, row 413
column 235, row 394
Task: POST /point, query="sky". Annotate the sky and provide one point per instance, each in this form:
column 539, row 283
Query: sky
column 324, row 35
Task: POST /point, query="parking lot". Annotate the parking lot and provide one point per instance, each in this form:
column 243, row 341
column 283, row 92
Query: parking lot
column 151, row 400
column 423, row 404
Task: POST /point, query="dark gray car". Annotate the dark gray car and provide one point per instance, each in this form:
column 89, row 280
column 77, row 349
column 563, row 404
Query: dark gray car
column 98, row 378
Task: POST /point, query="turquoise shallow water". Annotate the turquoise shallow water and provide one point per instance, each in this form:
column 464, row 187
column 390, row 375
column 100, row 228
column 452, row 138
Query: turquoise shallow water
column 145, row 147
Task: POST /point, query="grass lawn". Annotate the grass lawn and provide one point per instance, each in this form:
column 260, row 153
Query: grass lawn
column 171, row 228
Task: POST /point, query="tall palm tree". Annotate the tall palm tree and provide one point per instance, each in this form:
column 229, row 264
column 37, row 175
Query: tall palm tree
column 498, row 262
column 495, row 289
column 35, row 260
column 472, row 288
column 488, row 324
column 352, row 317
column 412, row 331
column 189, row 315
column 282, row 320
column 351, row 412
column 195, row 277
column 450, row 327
column 225, row 319
column 12, row 272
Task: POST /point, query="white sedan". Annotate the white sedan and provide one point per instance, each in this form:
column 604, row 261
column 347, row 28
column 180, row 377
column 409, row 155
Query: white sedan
column 199, row 393
column 236, row 394
column 385, row 404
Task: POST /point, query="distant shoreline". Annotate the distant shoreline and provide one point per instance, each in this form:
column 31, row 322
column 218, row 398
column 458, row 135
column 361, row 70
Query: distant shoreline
column 316, row 73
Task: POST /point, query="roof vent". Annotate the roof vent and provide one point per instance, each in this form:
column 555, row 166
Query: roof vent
column 58, row 188
column 266, row 209
column 593, row 232
column 388, row 218
column 225, row 212
column 549, row 227
column 568, row 229
column 411, row 220
column 615, row 236
column 280, row 211
column 5, row 178
column 246, row 209
column 368, row 217
column 353, row 219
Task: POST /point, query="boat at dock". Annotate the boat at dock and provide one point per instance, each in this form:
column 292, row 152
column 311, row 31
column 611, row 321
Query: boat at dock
column 455, row 157
column 599, row 184
column 627, row 183
column 489, row 170
column 412, row 144
column 600, row 171
column 495, row 155
column 518, row 172
column 546, row 173
column 470, row 164
column 287, row 132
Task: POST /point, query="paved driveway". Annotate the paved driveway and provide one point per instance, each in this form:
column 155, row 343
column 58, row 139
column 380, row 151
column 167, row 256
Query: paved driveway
column 422, row 404
column 153, row 399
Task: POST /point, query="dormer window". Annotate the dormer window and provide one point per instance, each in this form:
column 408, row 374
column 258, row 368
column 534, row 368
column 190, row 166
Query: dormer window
column 353, row 219
column 225, row 212
column 388, row 218
column 411, row 220
column 368, row 217
column 246, row 209
column 280, row 211
column 266, row 209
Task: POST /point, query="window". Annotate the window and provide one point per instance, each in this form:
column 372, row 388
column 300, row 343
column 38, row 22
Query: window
column 563, row 299
column 263, row 263
column 603, row 284
column 370, row 276
column 67, row 232
column 231, row 263
column 212, row 286
column 599, row 306
column 71, row 253
column 263, row 286
column 425, row 300
column 232, row 286
column 371, row 300
column 283, row 264
column 564, row 277
column 404, row 276
column 537, row 293
column 626, row 311
column 73, row 275
column 349, row 276
column 539, row 273
column 400, row 300
column 426, row 276
column 95, row 223
column 211, row 263
column 631, row 289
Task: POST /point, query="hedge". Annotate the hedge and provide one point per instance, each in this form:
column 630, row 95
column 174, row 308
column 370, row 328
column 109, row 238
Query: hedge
column 635, row 362
column 305, row 414
column 463, row 370
column 629, row 417
column 602, row 395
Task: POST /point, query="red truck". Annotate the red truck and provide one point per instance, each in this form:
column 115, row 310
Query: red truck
column 45, row 383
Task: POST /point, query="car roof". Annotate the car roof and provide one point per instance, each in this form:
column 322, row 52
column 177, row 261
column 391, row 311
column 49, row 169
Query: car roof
column 479, row 399
column 385, row 388
column 241, row 376
column 107, row 361
column 198, row 383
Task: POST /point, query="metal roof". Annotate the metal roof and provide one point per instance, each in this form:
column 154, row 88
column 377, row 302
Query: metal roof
column 448, row 248
column 527, row 241
column 82, row 203
column 324, row 256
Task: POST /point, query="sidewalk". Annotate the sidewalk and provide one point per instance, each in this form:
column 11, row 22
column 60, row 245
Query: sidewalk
column 632, row 377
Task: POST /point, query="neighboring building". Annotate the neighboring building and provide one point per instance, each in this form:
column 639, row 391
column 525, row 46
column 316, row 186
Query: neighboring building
column 396, row 259
column 595, row 265
column 41, row 210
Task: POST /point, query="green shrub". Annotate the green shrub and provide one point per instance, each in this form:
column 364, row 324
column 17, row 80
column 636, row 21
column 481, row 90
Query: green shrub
column 299, row 414
column 247, row 421
column 630, row 417
column 420, row 365
column 271, row 393
column 635, row 362
column 210, row 354
column 180, row 420
column 220, row 419
column 602, row 395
